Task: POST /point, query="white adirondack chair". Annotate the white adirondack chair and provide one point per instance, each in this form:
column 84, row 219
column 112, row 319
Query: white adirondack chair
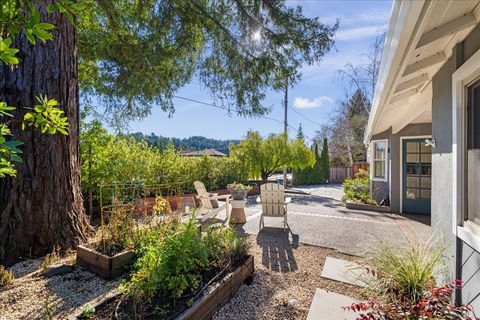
column 207, row 208
column 274, row 203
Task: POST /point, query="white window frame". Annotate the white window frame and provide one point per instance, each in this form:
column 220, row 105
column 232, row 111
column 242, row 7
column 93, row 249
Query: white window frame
column 372, row 164
column 465, row 75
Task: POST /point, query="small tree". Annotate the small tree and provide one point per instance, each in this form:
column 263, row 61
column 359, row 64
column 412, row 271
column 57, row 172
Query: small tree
column 262, row 157
column 325, row 162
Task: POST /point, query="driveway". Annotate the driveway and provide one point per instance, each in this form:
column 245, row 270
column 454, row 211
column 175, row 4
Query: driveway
column 320, row 218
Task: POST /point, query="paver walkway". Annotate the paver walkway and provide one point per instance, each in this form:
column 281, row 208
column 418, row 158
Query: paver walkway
column 330, row 306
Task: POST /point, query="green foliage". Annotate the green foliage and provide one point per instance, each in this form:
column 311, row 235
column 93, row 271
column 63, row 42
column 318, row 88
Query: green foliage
column 261, row 157
column 172, row 266
column 137, row 54
column 87, row 311
column 174, row 257
column 407, row 274
column 107, row 158
column 6, row 277
column 18, row 17
column 358, row 189
column 319, row 172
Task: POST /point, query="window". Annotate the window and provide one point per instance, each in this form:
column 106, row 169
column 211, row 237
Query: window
column 472, row 157
column 379, row 165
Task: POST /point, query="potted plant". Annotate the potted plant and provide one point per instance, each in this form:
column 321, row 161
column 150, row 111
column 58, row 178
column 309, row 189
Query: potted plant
column 238, row 191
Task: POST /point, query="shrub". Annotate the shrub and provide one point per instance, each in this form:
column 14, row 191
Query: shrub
column 407, row 274
column 172, row 266
column 6, row 277
column 437, row 304
column 358, row 189
column 118, row 234
column 224, row 245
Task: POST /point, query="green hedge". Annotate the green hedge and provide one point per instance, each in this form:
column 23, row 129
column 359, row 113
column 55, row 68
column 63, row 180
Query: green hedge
column 319, row 173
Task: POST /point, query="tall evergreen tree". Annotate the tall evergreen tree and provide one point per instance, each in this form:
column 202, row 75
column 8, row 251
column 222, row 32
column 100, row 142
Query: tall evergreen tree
column 325, row 162
column 300, row 135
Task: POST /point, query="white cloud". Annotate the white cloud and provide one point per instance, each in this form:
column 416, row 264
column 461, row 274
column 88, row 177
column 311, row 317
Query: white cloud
column 359, row 32
column 305, row 103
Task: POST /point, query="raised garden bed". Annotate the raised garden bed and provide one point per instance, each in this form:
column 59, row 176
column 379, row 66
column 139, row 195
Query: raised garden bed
column 107, row 267
column 204, row 307
column 366, row 207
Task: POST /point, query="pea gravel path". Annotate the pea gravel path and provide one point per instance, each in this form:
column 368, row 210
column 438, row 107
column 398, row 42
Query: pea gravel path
column 284, row 270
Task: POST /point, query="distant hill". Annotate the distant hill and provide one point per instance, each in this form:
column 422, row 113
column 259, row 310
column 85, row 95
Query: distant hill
column 194, row 143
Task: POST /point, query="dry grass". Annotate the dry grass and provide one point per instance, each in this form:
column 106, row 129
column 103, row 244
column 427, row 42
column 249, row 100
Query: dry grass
column 6, row 277
column 51, row 258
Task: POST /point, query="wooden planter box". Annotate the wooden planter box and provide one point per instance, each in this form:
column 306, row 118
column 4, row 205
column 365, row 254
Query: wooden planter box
column 209, row 304
column 202, row 309
column 104, row 266
column 367, row 207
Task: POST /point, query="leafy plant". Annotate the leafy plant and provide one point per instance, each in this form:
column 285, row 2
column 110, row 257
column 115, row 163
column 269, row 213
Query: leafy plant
column 48, row 309
column 238, row 186
column 170, row 267
column 16, row 17
column 87, row 311
column 224, row 245
column 358, row 189
column 118, row 234
column 161, row 206
column 437, row 303
column 6, row 277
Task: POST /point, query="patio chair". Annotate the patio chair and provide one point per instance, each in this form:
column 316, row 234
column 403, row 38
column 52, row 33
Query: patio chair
column 274, row 203
column 209, row 205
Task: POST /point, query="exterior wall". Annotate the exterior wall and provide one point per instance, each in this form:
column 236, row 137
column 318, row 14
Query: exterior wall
column 392, row 186
column 467, row 260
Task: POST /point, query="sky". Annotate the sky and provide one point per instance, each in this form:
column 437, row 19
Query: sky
column 314, row 98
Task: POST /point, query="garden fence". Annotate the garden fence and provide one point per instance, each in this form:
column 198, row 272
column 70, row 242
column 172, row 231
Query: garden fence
column 339, row 174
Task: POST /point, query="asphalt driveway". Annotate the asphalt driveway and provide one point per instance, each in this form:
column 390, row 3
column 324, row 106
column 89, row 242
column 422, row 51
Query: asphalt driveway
column 320, row 218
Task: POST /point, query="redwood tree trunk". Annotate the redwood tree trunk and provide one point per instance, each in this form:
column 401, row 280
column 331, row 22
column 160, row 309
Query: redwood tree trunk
column 42, row 206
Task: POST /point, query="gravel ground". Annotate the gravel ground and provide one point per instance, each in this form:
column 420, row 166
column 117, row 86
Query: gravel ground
column 25, row 298
column 283, row 271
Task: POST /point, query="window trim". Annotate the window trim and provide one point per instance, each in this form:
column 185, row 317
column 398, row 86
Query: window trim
column 464, row 76
column 372, row 164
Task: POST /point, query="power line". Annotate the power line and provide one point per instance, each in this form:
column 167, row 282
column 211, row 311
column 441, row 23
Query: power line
column 232, row 110
column 306, row 118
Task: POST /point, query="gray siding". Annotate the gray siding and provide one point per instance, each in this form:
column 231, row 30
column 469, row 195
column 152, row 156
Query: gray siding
column 380, row 188
column 467, row 260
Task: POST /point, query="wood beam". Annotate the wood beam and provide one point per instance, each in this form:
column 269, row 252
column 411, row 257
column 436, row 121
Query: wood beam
column 404, row 95
column 449, row 28
column 412, row 83
column 406, row 118
column 425, row 63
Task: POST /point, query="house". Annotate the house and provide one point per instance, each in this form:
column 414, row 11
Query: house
column 423, row 133
column 209, row 152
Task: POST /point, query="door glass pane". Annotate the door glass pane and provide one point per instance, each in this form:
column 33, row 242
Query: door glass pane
column 413, row 182
column 426, row 158
column 473, row 154
column 425, row 148
column 411, row 168
column 425, row 194
column 411, row 193
column 412, row 157
column 426, row 169
column 426, row 182
column 412, row 147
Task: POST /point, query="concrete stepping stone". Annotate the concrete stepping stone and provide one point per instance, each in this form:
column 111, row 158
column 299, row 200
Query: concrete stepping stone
column 330, row 306
column 344, row 271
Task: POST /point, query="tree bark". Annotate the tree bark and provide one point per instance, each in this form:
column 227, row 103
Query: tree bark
column 42, row 206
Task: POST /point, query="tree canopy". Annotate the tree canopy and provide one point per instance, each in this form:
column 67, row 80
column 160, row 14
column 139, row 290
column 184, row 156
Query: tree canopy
column 136, row 54
column 261, row 157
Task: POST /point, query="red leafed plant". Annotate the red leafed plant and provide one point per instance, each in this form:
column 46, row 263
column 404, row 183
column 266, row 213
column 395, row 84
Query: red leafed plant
column 437, row 304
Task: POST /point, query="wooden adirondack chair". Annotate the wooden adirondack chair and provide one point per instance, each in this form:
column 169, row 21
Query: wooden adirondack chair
column 207, row 208
column 274, row 203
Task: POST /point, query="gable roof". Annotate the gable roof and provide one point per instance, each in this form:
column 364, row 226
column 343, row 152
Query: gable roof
column 210, row 152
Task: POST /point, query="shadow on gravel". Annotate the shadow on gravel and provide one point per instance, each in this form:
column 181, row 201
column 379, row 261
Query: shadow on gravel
column 277, row 249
